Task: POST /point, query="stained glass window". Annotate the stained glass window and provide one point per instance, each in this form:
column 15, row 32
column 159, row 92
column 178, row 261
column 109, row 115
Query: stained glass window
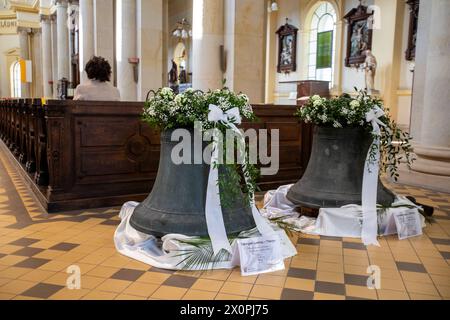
column 322, row 43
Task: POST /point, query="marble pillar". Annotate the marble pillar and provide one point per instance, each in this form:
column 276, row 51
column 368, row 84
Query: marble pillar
column 46, row 46
column 86, row 37
column 271, row 56
column 104, row 32
column 36, row 89
column 24, row 42
column 126, row 48
column 245, row 47
column 54, row 35
column 430, row 109
column 63, row 39
column 207, row 37
column 149, row 46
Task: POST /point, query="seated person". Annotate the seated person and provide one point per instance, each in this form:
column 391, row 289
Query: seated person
column 98, row 87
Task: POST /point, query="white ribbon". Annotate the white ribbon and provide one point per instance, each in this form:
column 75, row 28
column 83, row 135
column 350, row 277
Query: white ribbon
column 370, row 182
column 213, row 208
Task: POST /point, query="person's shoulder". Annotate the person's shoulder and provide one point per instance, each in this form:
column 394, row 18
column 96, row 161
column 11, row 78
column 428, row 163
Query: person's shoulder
column 81, row 87
column 113, row 88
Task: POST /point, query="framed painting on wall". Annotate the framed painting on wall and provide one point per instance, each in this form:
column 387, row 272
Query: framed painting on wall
column 359, row 35
column 287, row 48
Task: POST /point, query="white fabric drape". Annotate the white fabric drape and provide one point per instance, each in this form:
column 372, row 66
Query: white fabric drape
column 346, row 221
column 165, row 254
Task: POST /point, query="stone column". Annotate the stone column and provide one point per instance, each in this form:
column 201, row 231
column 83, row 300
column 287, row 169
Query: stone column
column 104, row 32
column 430, row 109
column 24, row 42
column 126, row 48
column 86, row 35
column 245, row 47
column 271, row 56
column 46, row 45
column 63, row 39
column 54, row 55
column 36, row 89
column 207, row 37
column 149, row 46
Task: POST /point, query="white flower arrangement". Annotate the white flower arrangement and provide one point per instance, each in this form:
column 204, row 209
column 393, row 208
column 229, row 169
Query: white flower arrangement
column 167, row 110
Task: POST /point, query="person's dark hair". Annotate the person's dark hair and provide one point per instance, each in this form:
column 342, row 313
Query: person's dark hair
column 98, row 68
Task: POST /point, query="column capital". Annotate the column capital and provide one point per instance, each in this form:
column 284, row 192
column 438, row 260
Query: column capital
column 45, row 17
column 61, row 3
column 36, row 30
column 23, row 30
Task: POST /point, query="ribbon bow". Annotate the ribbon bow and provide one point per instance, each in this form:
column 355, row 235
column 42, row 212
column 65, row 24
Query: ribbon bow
column 230, row 116
column 373, row 116
column 213, row 208
column 370, row 181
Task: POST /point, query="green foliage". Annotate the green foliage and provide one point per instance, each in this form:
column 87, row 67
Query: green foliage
column 200, row 255
column 166, row 110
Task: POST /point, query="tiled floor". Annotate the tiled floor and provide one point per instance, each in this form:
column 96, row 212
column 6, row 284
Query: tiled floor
column 36, row 249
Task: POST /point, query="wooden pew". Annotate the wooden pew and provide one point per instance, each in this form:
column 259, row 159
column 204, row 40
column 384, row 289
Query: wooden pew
column 89, row 154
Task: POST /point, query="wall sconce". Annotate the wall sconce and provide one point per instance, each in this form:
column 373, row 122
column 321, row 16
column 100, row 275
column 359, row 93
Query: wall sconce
column 272, row 6
column 135, row 62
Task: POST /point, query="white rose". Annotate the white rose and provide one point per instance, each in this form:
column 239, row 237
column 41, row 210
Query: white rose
column 317, row 103
column 336, row 124
column 166, row 90
column 354, row 104
column 315, row 97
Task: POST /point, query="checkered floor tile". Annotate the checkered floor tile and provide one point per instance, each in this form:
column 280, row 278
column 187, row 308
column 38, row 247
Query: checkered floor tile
column 38, row 251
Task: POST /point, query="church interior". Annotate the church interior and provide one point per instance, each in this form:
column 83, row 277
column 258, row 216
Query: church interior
column 67, row 165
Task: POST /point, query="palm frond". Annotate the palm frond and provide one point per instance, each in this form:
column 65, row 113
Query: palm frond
column 201, row 255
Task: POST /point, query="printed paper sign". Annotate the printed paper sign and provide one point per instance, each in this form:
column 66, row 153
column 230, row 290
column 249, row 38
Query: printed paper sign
column 260, row 255
column 408, row 224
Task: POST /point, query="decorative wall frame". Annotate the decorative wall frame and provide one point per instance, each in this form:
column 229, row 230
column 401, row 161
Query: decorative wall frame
column 287, row 48
column 359, row 35
column 410, row 53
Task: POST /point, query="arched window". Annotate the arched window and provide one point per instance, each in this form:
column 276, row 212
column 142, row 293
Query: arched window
column 322, row 43
column 16, row 88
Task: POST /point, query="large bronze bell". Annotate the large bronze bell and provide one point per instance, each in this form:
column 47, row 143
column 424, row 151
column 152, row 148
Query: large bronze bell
column 176, row 203
column 335, row 171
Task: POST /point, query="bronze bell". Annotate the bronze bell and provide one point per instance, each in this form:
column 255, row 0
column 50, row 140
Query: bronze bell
column 176, row 203
column 335, row 171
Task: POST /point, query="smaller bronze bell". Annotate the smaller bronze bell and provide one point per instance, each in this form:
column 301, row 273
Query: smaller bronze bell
column 176, row 203
column 335, row 171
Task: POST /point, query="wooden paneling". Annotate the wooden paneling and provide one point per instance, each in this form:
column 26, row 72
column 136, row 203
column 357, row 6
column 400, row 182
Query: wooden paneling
column 90, row 154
